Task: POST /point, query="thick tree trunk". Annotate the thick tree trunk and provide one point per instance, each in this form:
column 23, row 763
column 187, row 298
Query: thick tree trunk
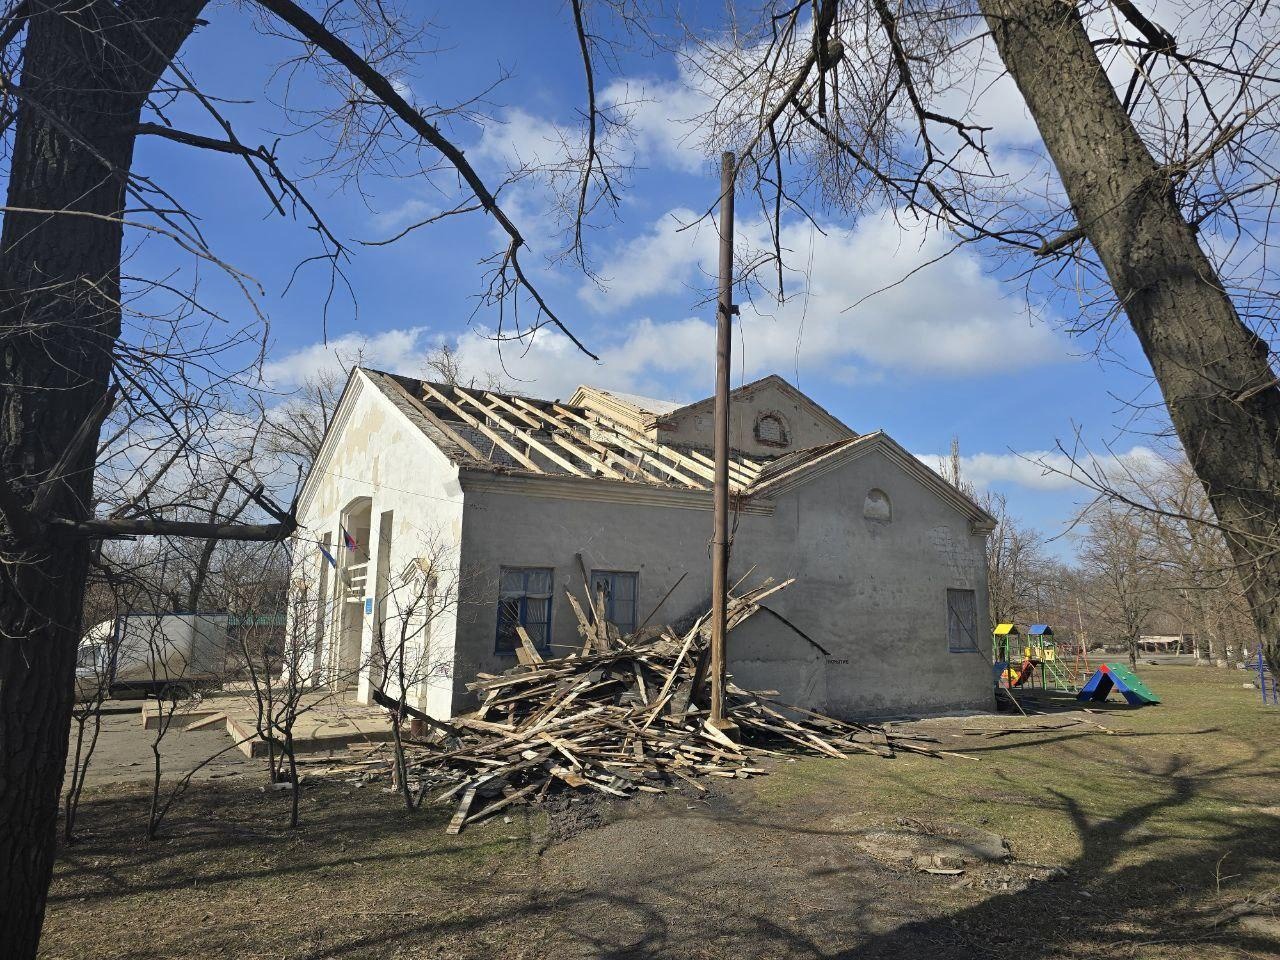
column 1213, row 371
column 88, row 66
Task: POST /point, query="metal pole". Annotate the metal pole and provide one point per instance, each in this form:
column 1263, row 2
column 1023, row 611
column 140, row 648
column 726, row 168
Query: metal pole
column 720, row 503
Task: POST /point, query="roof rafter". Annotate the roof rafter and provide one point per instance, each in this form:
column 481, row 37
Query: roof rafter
column 645, row 448
column 630, row 469
column 483, row 427
column 511, row 428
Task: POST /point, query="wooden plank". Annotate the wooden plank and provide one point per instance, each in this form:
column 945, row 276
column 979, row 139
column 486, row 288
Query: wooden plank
column 627, row 470
column 440, row 424
column 504, row 802
column 552, row 425
column 736, row 469
column 460, row 814
column 644, row 692
column 585, row 626
column 644, row 448
column 499, row 400
column 520, row 434
column 529, row 647
column 665, row 692
column 707, row 472
column 484, row 428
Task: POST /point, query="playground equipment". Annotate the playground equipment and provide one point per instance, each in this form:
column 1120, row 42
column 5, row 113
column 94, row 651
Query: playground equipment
column 1014, row 666
column 1109, row 677
column 1266, row 680
column 1031, row 664
column 1042, row 646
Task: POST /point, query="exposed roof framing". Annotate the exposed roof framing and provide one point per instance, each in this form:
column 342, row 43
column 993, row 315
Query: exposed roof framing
column 546, row 437
column 487, row 430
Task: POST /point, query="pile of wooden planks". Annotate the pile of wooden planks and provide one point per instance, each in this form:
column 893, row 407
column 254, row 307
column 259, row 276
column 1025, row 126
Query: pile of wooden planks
column 623, row 715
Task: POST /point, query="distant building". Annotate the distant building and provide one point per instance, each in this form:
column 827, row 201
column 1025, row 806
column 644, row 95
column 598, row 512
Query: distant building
column 1167, row 643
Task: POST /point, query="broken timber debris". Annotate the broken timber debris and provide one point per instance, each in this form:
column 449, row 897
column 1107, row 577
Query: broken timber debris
column 623, row 715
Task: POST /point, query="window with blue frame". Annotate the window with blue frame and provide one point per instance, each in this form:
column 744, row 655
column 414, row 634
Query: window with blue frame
column 524, row 600
column 618, row 589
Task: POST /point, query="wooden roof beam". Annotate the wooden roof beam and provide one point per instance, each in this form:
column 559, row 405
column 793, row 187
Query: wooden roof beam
column 517, row 432
column 557, row 429
column 484, row 428
column 582, row 437
column 642, row 450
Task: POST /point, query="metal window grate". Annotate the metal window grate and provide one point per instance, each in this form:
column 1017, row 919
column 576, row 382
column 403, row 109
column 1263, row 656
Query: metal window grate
column 524, row 599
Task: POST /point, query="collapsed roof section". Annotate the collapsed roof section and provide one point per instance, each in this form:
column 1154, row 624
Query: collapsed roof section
column 507, row 433
column 691, row 423
column 611, row 436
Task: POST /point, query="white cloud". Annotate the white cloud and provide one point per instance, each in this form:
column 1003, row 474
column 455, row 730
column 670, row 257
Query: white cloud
column 660, row 115
column 917, row 318
column 659, row 260
column 648, row 359
column 656, row 128
column 390, row 350
column 913, row 314
column 944, row 318
column 520, row 139
column 1045, row 469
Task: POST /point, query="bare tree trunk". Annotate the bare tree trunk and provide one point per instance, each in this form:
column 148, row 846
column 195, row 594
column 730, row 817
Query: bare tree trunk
column 80, row 766
column 88, row 66
column 1213, row 371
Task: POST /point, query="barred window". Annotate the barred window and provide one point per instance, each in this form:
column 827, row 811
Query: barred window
column 524, row 600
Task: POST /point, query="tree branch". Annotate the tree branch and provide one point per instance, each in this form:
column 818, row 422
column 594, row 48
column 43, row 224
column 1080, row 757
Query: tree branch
column 315, row 32
column 198, row 529
column 1161, row 40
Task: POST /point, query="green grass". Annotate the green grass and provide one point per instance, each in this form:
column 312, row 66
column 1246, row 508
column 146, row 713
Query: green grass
column 1183, row 781
column 1160, row 820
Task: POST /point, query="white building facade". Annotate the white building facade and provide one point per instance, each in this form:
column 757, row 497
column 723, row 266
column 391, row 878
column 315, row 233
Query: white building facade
column 437, row 519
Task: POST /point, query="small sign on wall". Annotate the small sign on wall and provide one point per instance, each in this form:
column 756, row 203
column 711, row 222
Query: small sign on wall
column 368, row 605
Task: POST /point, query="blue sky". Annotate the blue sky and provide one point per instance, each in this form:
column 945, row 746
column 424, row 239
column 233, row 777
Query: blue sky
column 951, row 351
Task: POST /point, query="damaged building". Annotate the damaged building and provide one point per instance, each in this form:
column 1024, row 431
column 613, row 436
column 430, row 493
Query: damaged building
column 440, row 521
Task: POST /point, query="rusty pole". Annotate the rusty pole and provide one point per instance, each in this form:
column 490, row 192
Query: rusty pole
column 720, row 500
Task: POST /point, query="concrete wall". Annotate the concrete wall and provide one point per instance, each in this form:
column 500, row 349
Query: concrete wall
column 377, row 458
column 871, row 593
column 517, row 530
column 805, row 427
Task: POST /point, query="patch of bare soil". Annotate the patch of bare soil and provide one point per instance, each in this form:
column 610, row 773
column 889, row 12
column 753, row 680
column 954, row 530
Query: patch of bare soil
column 717, row 875
column 709, row 876
column 361, row 877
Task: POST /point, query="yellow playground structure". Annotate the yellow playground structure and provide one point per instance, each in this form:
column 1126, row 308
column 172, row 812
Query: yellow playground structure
column 1036, row 662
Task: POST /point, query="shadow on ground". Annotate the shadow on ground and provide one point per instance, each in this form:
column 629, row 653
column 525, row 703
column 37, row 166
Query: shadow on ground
column 1158, row 871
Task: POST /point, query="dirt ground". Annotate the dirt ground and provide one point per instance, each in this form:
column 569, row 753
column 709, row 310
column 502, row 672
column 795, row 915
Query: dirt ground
column 123, row 752
column 1148, row 834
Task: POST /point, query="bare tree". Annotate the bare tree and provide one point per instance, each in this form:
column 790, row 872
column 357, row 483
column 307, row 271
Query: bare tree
column 82, row 80
column 1118, row 555
column 1199, row 571
column 859, row 104
column 276, row 623
column 1016, row 565
column 295, row 429
column 406, row 664
column 94, row 662
column 1158, row 135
